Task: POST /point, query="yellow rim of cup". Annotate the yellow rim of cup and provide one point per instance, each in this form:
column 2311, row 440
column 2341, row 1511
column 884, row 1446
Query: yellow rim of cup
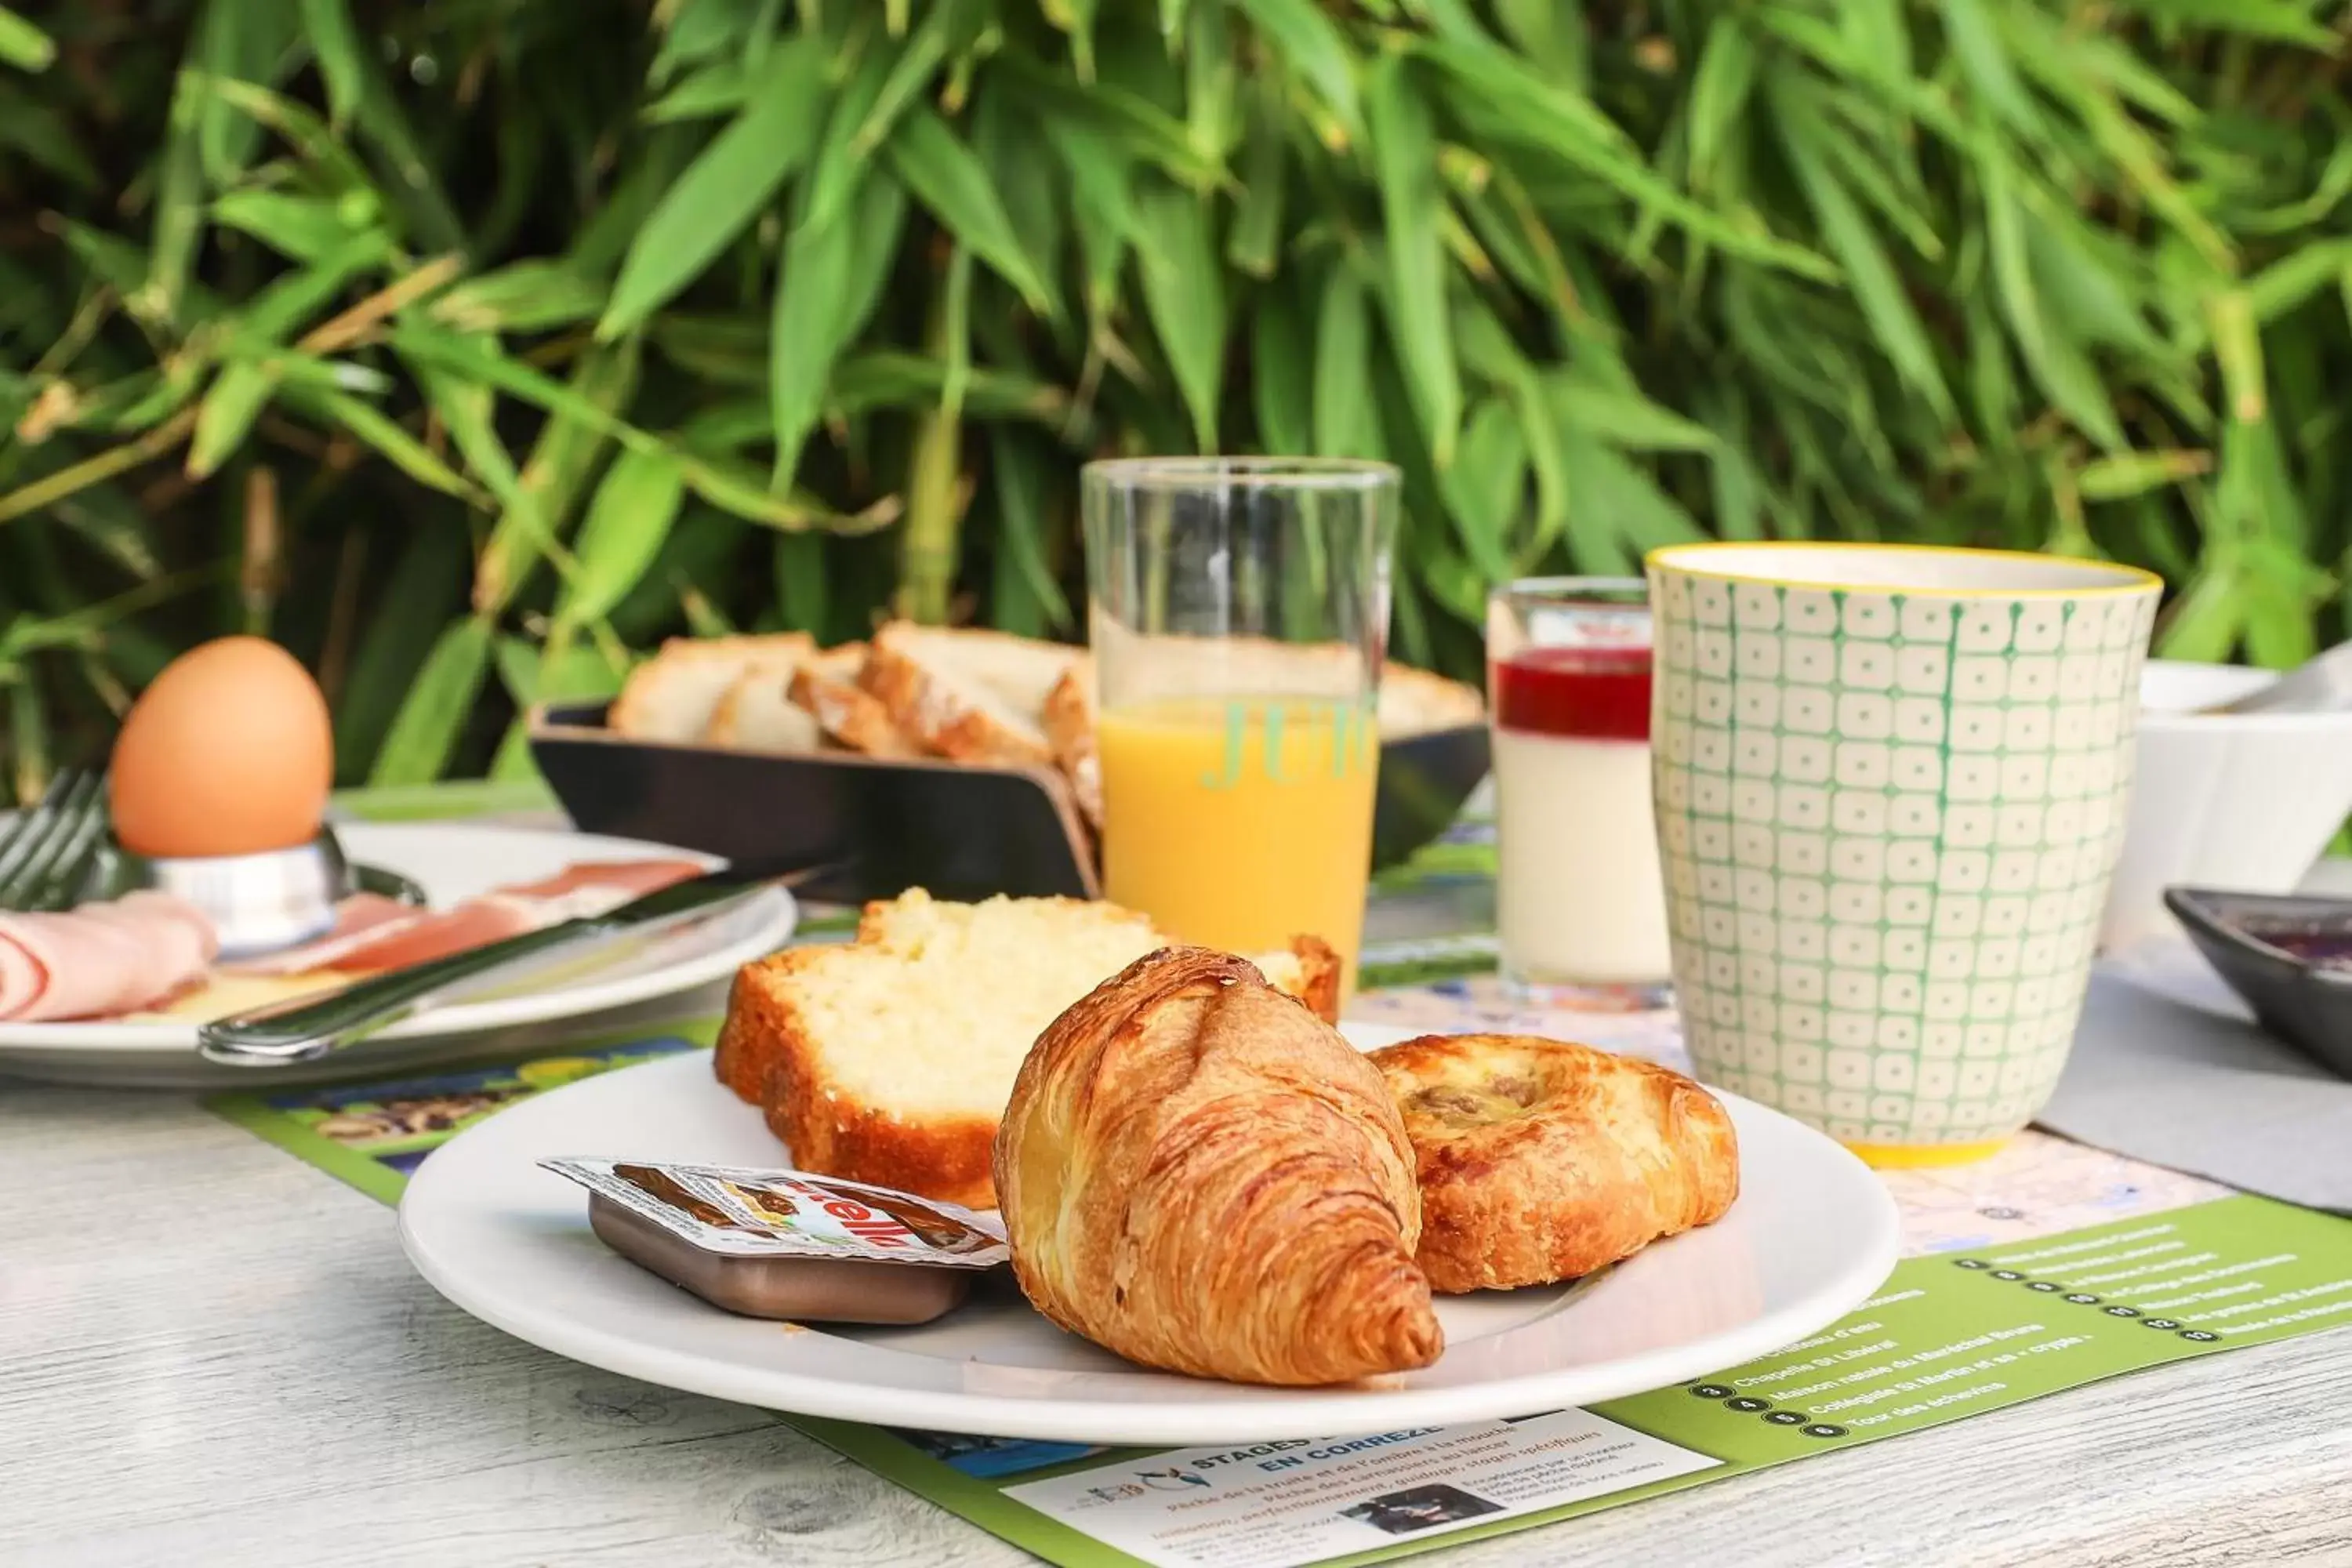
column 1925, row 1156
column 1690, row 560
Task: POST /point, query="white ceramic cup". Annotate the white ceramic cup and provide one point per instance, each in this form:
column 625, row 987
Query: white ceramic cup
column 1891, row 784
column 2241, row 801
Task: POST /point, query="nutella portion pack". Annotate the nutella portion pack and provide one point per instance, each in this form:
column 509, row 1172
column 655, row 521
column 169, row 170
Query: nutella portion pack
column 786, row 1244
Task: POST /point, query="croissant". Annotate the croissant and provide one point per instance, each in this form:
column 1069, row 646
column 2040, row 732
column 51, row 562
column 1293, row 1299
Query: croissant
column 1199, row 1173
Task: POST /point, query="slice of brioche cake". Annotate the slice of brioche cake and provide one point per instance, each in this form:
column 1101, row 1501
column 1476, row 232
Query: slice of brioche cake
column 889, row 1059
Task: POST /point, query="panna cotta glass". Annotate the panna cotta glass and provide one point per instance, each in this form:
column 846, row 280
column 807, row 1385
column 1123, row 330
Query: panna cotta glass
column 1580, row 904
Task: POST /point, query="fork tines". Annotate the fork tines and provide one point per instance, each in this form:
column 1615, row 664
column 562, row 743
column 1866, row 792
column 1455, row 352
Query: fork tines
column 43, row 849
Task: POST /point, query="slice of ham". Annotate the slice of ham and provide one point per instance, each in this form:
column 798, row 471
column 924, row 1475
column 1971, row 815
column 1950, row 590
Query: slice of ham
column 145, row 947
column 359, row 919
column 490, row 918
column 617, row 880
column 102, row 958
column 379, row 941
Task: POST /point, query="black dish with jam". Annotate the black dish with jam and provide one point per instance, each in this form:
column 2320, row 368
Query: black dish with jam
column 2288, row 956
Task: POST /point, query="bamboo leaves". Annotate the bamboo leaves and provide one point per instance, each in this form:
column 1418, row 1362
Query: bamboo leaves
column 914, row 67
column 733, row 178
column 627, row 523
column 1183, row 292
column 1346, row 423
column 23, row 44
column 425, row 731
column 805, row 324
column 523, row 296
column 1255, row 244
column 804, row 336
column 1485, row 490
column 1312, row 47
column 569, row 448
column 1404, row 148
column 1027, row 598
column 1980, row 271
column 342, row 57
column 2280, row 19
column 1504, row 99
column 303, row 228
column 1622, row 415
column 2056, row 361
column 944, row 176
column 1719, row 98
column 1282, row 381
column 1976, row 46
column 1847, row 233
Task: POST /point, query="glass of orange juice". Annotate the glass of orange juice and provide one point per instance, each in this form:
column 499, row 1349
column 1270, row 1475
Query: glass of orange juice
column 1239, row 613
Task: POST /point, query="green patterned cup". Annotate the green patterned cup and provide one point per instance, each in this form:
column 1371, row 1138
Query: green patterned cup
column 1891, row 785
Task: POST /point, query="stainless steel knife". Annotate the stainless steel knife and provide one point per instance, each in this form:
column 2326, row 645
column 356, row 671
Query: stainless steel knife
column 304, row 1028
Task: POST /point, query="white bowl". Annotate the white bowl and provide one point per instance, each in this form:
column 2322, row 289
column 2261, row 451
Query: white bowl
column 2242, row 802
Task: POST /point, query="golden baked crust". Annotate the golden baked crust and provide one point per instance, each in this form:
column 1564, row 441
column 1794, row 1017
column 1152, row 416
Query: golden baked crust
column 826, row 686
column 1419, row 701
column 1198, row 1174
column 1540, row 1160
column 766, row 1056
column 957, row 711
column 1318, row 980
column 1070, row 730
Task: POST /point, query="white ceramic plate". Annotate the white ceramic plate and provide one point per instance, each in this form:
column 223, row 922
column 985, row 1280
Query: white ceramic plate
column 1813, row 1235
column 451, row 862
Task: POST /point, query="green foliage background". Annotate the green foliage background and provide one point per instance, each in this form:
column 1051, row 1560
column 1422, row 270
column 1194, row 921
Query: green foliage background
column 467, row 345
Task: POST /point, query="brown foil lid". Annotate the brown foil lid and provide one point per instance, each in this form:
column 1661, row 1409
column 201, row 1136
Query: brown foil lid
column 789, row 1214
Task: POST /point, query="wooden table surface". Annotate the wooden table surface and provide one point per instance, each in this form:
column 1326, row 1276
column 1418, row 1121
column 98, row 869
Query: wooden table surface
column 216, row 1355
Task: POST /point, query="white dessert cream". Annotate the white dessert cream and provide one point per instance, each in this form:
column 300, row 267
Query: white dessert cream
column 1581, row 901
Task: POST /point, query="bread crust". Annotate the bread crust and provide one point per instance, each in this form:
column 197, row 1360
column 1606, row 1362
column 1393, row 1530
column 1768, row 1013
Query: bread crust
column 1318, row 976
column 1419, row 701
column 936, row 715
column 1540, row 1160
column 827, row 689
column 765, row 1055
column 1070, row 730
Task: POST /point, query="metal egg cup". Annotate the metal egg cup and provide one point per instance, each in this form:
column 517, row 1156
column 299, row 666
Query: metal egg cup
column 259, row 903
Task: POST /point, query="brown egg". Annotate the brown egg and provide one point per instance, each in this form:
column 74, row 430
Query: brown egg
column 228, row 751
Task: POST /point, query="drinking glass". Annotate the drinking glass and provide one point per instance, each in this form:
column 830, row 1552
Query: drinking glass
column 1580, row 908
column 1238, row 613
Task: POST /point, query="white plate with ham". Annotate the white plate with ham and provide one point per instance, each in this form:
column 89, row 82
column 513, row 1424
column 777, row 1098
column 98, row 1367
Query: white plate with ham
column 113, row 992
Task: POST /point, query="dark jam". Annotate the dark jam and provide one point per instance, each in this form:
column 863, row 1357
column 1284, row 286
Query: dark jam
column 1590, row 693
column 2321, row 946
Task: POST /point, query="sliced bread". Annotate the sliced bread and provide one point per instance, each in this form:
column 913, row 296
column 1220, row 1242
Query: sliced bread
column 758, row 714
column 891, row 1058
column 827, row 688
column 971, row 696
column 1417, row 701
column 674, row 695
column 1070, row 732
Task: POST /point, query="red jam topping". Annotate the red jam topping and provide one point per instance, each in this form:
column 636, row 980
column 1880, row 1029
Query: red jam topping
column 1588, row 693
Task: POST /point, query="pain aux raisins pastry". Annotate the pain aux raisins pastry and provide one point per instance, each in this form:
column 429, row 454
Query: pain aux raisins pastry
column 1540, row 1160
